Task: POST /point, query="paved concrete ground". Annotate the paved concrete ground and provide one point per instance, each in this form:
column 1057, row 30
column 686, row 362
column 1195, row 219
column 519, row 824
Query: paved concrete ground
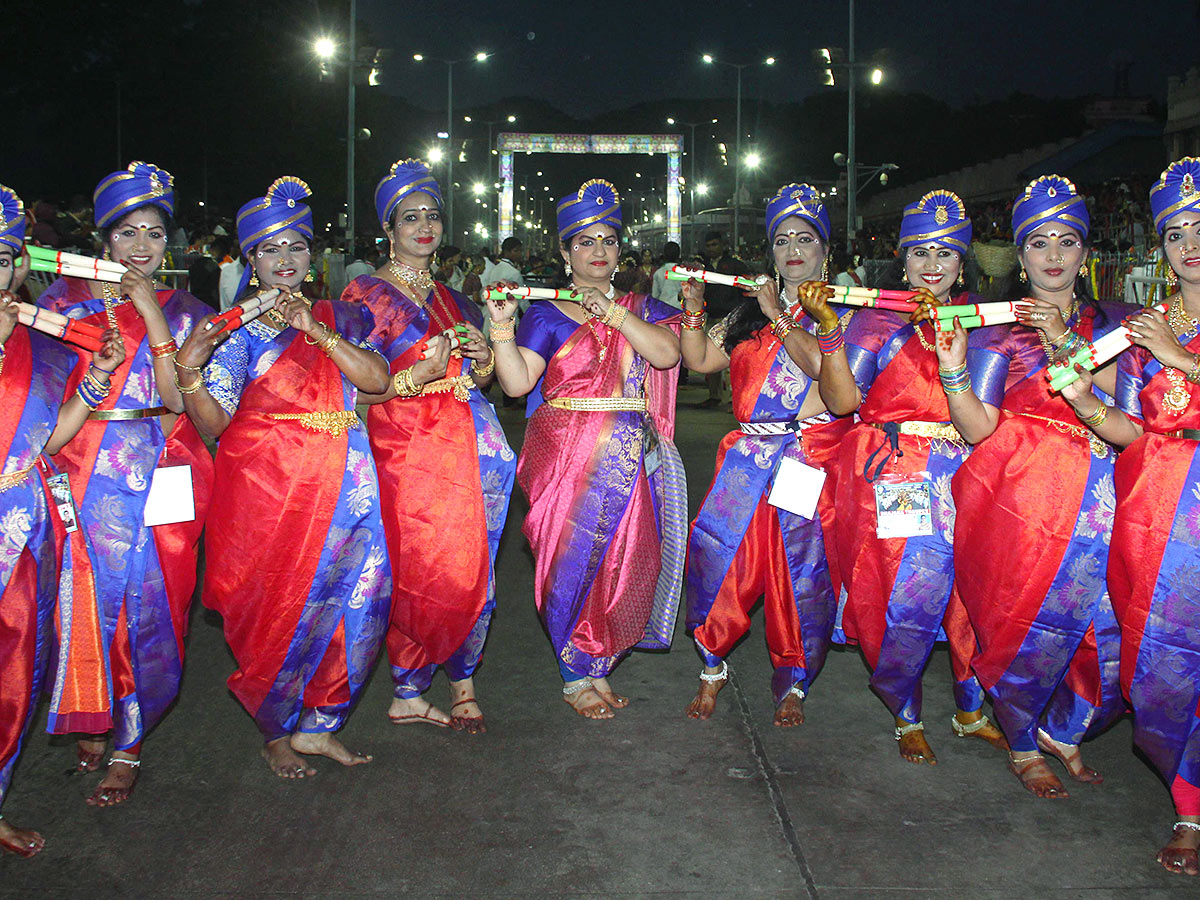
column 548, row 805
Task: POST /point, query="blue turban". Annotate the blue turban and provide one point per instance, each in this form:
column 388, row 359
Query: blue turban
column 272, row 214
column 595, row 203
column 405, row 177
column 937, row 218
column 802, row 200
column 12, row 219
column 1048, row 199
column 1175, row 191
column 142, row 184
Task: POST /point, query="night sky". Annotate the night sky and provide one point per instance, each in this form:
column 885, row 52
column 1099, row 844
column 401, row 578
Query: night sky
column 591, row 57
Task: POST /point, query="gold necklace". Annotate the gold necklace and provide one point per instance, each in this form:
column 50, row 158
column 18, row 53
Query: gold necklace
column 417, row 280
column 1177, row 398
column 589, row 317
column 1048, row 347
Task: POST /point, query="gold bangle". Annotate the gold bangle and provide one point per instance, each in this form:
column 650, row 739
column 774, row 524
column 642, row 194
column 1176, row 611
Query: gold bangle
column 488, row 368
column 1095, row 419
column 188, row 390
column 163, row 350
column 180, row 365
column 330, row 342
column 504, row 331
column 614, row 318
column 1193, row 374
column 405, row 385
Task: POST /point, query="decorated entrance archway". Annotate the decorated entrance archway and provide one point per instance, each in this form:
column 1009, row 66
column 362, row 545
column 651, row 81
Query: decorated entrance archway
column 508, row 143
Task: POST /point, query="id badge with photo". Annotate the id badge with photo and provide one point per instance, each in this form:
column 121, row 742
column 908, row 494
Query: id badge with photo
column 60, row 490
column 651, row 461
column 170, row 498
column 797, row 487
column 903, row 506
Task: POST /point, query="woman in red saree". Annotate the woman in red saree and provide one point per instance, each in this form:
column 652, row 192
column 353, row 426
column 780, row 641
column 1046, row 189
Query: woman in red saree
column 900, row 580
column 1035, row 505
column 607, row 502
column 124, row 616
column 296, row 560
column 434, row 435
column 1154, row 558
column 34, row 419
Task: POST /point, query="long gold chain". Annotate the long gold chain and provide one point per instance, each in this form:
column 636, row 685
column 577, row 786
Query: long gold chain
column 1048, row 347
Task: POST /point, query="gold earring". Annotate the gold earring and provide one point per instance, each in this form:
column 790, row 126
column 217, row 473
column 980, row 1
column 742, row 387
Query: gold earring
column 825, row 269
column 1022, row 276
column 308, row 276
column 1172, row 279
column 107, row 255
column 567, row 268
column 904, row 276
column 1083, row 270
column 253, row 279
column 779, row 284
column 960, row 281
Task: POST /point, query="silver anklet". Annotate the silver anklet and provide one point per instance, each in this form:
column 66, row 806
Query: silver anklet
column 570, row 690
column 715, row 677
column 902, row 730
column 1190, row 826
column 132, row 763
column 795, row 689
column 963, row 730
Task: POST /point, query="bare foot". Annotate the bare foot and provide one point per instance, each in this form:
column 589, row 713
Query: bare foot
column 415, row 711
column 705, row 701
column 26, row 843
column 90, row 752
column 1179, row 856
column 1036, row 777
column 1069, row 756
column 464, row 709
column 325, row 744
column 587, row 702
column 118, row 782
column 912, row 744
column 790, row 712
column 284, row 761
column 601, row 687
column 977, row 725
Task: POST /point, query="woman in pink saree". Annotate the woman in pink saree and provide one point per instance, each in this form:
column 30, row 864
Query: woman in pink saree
column 607, row 499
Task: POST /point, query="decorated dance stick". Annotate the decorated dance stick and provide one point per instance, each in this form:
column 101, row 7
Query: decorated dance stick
column 1093, row 356
column 991, row 318
column 82, row 334
column 43, row 259
column 249, row 310
column 531, row 293
column 683, row 273
column 897, row 301
column 967, row 310
column 457, row 336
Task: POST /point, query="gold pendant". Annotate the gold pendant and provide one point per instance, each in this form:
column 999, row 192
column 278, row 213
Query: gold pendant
column 603, row 350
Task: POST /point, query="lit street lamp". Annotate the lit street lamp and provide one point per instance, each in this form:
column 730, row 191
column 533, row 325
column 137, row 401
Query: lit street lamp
column 709, row 59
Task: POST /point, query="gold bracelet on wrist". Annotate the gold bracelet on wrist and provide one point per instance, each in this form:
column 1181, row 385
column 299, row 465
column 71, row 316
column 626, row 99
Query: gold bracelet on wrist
column 329, row 343
column 487, row 369
column 615, row 317
column 1095, row 419
column 188, row 390
column 503, row 332
column 1193, row 374
column 405, row 385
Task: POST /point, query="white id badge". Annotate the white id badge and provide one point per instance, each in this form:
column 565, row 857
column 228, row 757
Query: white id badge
column 797, row 487
column 170, row 499
column 60, row 490
column 903, row 507
column 651, row 461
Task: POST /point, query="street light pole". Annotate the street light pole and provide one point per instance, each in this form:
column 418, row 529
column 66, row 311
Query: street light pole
column 851, row 167
column 351, row 67
column 450, row 147
column 737, row 172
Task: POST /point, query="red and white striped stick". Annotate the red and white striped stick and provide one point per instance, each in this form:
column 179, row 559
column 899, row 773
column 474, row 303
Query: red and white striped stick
column 82, row 334
column 531, row 293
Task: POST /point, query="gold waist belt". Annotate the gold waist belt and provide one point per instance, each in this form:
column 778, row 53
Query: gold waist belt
column 334, row 423
column 121, row 415
column 13, row 479
column 599, row 404
column 1099, row 449
column 460, row 385
column 940, row 430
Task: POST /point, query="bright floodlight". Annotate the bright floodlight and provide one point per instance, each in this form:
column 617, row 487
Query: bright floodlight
column 324, row 47
column 702, row 189
column 418, row 56
column 512, row 118
column 707, row 57
column 435, row 154
column 770, row 61
column 658, row 218
column 670, row 121
column 876, row 76
column 480, row 56
column 466, row 118
column 752, row 160
column 478, row 188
